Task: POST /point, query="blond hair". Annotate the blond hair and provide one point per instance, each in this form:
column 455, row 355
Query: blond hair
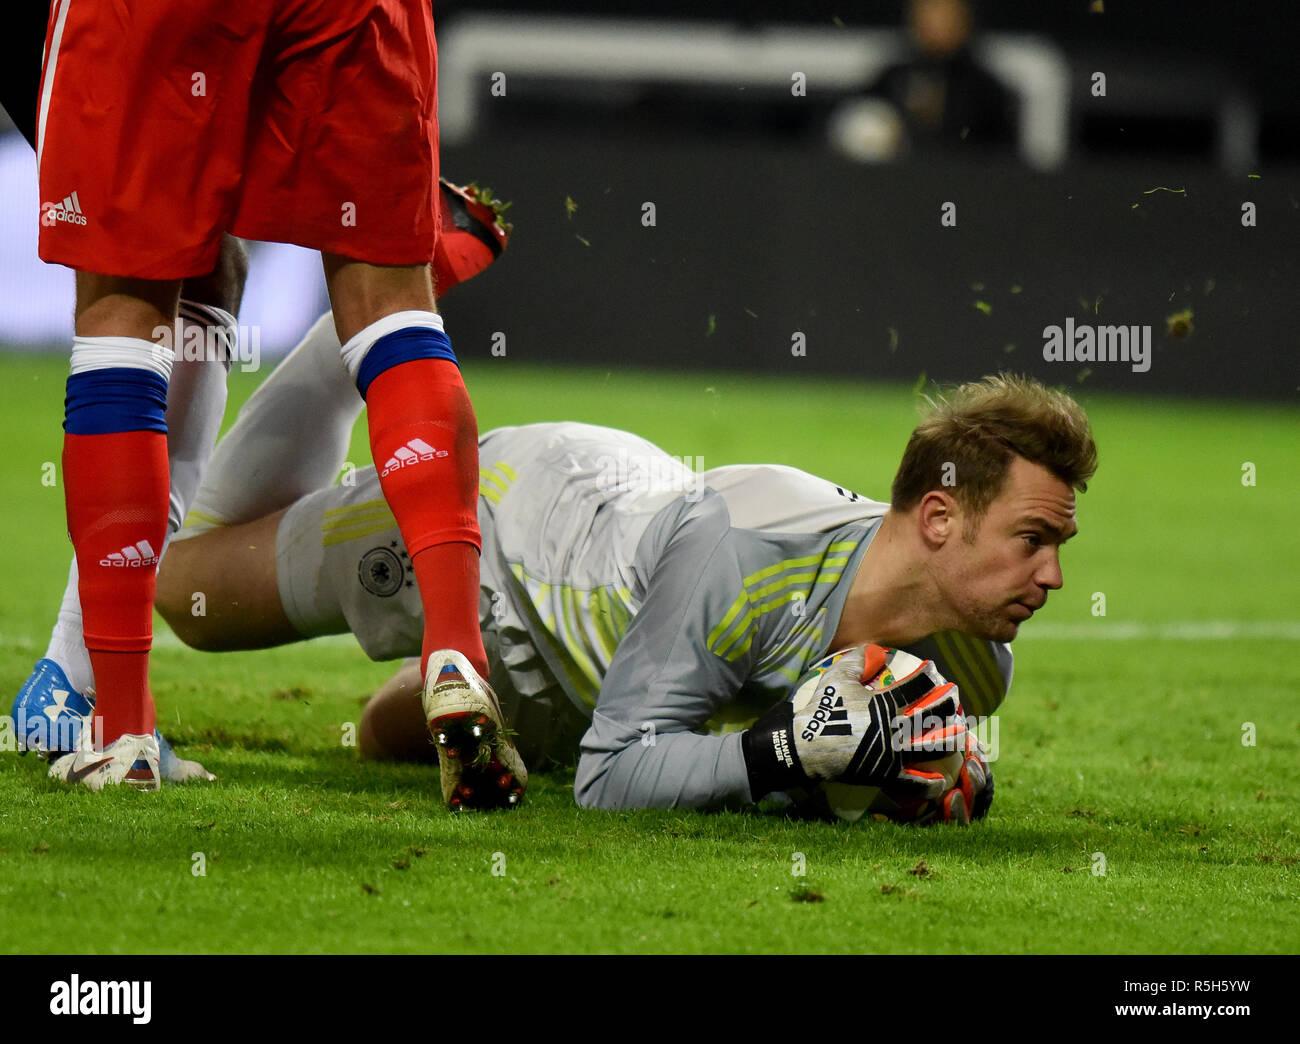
column 968, row 436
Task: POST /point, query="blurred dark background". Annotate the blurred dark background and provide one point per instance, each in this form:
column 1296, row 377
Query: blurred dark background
column 797, row 157
column 1255, row 41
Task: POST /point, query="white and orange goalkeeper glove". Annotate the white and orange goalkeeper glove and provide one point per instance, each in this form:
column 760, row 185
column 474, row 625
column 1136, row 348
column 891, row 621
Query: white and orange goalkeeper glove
column 969, row 793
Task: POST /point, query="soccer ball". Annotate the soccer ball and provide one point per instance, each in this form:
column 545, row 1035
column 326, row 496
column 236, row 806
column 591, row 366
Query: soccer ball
column 848, row 801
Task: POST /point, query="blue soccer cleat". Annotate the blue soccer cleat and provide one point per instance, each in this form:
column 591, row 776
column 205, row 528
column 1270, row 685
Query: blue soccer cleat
column 48, row 711
column 48, row 715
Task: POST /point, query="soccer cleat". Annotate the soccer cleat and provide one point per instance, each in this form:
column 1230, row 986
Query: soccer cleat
column 177, row 769
column 48, row 715
column 480, row 767
column 48, row 711
column 472, row 235
column 130, row 760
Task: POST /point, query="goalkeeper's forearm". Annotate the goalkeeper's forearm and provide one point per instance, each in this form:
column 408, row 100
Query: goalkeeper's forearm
column 643, row 767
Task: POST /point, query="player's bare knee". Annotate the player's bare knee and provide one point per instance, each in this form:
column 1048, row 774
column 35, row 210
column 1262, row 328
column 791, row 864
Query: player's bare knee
column 167, row 588
column 116, row 306
column 364, row 293
column 368, row 742
column 193, row 631
column 223, row 287
column 392, row 726
column 175, row 596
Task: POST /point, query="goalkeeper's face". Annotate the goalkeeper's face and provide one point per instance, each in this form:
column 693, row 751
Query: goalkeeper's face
column 999, row 568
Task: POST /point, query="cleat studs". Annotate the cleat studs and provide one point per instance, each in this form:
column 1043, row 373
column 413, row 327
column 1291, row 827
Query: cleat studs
column 504, row 780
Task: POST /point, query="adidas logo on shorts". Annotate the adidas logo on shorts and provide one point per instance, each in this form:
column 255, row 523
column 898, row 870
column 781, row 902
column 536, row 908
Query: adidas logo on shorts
column 132, row 557
column 68, row 211
column 413, row 452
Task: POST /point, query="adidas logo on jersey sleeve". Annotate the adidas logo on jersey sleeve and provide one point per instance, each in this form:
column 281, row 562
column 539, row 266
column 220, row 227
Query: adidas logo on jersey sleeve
column 67, row 211
column 415, row 451
column 132, row 556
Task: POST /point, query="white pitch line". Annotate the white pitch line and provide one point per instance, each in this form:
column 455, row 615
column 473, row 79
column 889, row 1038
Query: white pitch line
column 1178, row 631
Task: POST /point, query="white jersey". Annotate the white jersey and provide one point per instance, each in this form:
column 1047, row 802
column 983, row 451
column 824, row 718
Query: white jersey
column 621, row 588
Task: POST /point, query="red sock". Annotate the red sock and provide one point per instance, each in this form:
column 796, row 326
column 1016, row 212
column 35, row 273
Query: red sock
column 450, row 572
column 116, row 491
column 424, row 440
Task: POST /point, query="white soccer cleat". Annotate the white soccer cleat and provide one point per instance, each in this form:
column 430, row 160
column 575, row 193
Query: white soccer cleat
column 480, row 767
column 49, row 714
column 130, row 760
column 176, row 769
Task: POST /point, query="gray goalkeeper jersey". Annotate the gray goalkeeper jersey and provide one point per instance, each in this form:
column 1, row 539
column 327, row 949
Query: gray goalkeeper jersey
column 745, row 591
column 664, row 604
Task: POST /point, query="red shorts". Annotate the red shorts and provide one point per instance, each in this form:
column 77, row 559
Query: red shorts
column 164, row 123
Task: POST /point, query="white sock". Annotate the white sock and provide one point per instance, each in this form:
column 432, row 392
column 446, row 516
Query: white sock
column 196, row 402
column 67, row 647
column 290, row 439
column 354, row 352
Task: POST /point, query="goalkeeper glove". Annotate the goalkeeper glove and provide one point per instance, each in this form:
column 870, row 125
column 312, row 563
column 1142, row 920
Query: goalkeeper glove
column 971, row 798
column 967, row 799
column 848, row 732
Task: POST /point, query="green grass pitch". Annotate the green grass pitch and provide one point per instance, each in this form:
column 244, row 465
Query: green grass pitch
column 1146, row 772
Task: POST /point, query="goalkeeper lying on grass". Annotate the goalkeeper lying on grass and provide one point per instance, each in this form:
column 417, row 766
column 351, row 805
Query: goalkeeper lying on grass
column 627, row 603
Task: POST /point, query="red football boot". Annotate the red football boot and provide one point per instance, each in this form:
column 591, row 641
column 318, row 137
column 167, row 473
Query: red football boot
column 473, row 234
